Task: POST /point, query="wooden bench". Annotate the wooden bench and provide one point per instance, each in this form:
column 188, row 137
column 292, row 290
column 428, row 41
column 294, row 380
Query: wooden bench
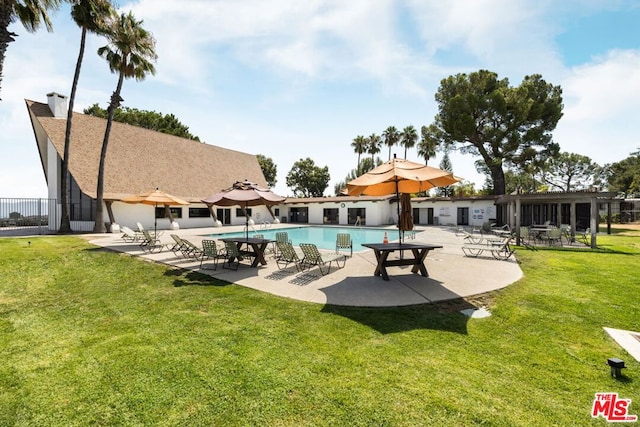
column 498, row 249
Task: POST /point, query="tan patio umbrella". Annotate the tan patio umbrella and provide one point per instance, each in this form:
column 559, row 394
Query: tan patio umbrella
column 400, row 176
column 155, row 198
column 244, row 193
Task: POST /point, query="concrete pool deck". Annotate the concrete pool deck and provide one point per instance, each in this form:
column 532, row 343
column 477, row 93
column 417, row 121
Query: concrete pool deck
column 451, row 274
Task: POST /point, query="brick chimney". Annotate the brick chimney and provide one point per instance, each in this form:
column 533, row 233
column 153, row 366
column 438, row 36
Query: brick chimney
column 57, row 105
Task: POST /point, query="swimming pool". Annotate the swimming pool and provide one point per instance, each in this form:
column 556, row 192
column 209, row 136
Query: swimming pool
column 323, row 237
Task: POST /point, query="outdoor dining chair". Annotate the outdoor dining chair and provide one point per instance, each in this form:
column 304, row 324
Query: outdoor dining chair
column 210, row 251
column 343, row 241
column 233, row 256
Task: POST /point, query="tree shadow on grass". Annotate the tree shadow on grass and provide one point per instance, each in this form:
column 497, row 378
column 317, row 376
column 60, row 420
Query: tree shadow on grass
column 185, row 277
column 442, row 316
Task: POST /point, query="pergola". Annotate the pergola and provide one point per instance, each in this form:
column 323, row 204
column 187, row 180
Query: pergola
column 531, row 208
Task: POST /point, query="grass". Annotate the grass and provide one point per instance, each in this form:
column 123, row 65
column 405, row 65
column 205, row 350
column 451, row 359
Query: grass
column 91, row 337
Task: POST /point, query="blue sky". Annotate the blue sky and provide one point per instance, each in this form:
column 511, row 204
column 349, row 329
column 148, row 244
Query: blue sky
column 292, row 80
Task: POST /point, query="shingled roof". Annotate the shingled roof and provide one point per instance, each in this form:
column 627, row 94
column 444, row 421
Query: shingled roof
column 140, row 160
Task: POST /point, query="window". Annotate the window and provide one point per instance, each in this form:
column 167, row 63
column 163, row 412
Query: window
column 330, row 215
column 240, row 212
column 175, row 212
column 356, row 213
column 199, row 213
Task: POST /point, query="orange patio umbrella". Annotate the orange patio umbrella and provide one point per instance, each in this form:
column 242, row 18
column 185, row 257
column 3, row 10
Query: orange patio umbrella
column 155, row 198
column 400, row 176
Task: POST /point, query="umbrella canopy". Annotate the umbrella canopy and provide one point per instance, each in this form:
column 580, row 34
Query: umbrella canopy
column 400, row 176
column 245, row 194
column 155, row 198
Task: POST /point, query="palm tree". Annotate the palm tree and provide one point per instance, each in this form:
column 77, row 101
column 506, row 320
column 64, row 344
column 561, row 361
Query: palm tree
column 130, row 53
column 373, row 146
column 391, row 137
column 359, row 145
column 427, row 145
column 409, row 138
column 90, row 15
column 32, row 13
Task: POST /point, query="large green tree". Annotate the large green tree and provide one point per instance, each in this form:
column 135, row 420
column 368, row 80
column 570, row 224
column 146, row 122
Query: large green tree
column 569, row 172
column 31, row 13
column 167, row 123
column 308, row 180
column 269, row 169
column 90, row 16
column 130, row 53
column 624, row 176
column 391, row 137
column 484, row 116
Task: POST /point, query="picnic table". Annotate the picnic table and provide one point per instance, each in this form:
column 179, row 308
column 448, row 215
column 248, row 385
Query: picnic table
column 251, row 247
column 383, row 250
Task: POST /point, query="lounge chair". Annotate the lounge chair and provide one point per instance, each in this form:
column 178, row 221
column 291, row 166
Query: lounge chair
column 287, row 255
column 150, row 243
column 190, row 250
column 281, row 236
column 313, row 257
column 128, row 235
column 210, row 251
column 499, row 250
column 343, row 241
column 179, row 246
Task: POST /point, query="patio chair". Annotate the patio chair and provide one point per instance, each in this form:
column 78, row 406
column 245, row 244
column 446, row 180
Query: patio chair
column 267, row 250
column 287, row 255
column 499, row 250
column 487, row 227
column 281, row 236
column 585, row 236
column 526, row 236
column 179, row 246
column 232, row 253
column 552, row 236
column 190, row 250
column 210, row 251
column 150, row 243
column 128, row 235
column 313, row 257
column 343, row 241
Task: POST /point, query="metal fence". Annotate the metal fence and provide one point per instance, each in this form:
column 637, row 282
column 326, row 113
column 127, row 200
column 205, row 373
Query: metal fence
column 22, row 217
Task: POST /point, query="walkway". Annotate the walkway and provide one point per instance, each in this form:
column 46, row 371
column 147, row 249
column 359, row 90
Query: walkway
column 451, row 274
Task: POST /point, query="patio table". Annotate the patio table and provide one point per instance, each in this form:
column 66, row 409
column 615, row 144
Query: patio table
column 254, row 248
column 383, row 250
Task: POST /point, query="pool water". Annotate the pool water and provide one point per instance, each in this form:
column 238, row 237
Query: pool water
column 323, row 237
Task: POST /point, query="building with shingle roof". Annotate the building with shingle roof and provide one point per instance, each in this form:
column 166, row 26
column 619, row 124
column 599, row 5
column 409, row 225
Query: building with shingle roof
column 138, row 160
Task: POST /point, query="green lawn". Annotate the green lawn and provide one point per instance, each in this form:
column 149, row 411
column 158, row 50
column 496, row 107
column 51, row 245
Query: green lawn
column 91, row 337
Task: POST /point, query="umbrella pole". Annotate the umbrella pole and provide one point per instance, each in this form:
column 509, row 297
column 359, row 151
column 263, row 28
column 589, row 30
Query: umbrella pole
column 398, row 206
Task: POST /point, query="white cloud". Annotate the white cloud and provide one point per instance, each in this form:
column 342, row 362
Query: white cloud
column 601, row 105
